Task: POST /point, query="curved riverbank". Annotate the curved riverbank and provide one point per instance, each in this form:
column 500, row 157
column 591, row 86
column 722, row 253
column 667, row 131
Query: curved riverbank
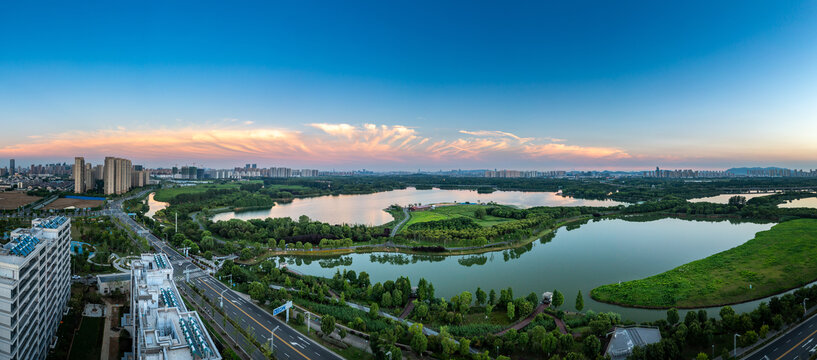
column 774, row 262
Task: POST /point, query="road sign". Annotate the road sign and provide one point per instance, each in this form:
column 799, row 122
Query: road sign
column 282, row 308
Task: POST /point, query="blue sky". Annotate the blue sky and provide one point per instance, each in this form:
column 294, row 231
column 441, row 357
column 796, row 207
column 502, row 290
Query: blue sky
column 406, row 85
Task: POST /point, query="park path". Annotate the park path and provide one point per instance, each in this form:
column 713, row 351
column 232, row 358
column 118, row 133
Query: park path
column 409, row 307
column 406, row 218
column 524, row 322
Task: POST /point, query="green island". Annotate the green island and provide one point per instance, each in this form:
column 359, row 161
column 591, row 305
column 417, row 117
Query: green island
column 774, row 261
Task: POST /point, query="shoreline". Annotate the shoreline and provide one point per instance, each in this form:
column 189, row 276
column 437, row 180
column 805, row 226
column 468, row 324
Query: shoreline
column 813, row 281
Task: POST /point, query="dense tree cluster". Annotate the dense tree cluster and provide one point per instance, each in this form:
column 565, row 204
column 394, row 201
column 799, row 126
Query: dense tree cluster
column 304, row 230
column 697, row 331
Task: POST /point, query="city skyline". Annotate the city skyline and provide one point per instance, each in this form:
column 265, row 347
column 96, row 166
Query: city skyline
column 436, row 86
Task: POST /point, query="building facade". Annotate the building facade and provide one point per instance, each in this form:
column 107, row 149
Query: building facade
column 117, row 175
column 79, row 174
column 35, row 285
column 164, row 328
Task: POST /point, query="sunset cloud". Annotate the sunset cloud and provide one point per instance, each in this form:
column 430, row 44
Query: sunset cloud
column 317, row 143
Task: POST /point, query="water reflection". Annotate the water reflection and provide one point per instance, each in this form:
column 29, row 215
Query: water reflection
column 368, row 209
column 597, row 253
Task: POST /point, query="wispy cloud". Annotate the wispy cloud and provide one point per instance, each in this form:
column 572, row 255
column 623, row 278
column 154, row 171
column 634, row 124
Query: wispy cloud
column 318, row 143
column 496, row 133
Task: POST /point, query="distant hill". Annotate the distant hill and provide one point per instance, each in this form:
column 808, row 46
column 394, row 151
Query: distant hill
column 743, row 171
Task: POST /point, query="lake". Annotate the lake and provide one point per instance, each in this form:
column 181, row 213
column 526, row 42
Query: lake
column 724, row 198
column 597, row 253
column 368, row 209
column 154, row 206
column 800, row 203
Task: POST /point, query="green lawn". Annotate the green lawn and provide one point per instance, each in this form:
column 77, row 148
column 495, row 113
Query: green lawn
column 453, row 211
column 169, row 193
column 774, row 261
column 88, row 340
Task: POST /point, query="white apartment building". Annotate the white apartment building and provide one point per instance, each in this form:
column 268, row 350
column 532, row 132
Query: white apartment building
column 164, row 328
column 35, row 285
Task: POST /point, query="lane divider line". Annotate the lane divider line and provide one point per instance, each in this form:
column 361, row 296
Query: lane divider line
column 262, row 325
column 796, row 345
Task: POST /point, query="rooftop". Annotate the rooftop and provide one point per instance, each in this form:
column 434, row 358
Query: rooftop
column 113, row 277
column 624, row 340
column 167, row 329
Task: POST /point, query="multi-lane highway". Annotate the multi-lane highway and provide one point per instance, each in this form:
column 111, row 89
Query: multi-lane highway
column 288, row 342
column 795, row 344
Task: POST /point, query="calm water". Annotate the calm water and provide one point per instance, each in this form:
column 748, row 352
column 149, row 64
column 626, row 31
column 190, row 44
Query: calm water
column 154, row 206
column 724, row 198
column 368, row 209
column 594, row 254
column 800, row 203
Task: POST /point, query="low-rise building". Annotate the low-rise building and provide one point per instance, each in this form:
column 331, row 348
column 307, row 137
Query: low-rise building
column 111, row 283
column 164, row 328
column 624, row 339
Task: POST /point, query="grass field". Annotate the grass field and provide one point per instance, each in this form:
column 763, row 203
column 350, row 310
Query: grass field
column 88, row 340
column 450, row 212
column 775, row 260
column 10, row 200
column 63, row 203
column 166, row 194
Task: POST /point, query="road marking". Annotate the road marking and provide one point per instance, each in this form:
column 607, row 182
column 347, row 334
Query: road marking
column 796, row 345
column 256, row 321
column 807, row 342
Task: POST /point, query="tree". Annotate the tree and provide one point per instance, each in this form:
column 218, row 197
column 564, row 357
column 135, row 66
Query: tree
column 465, row 302
column 421, row 311
column 342, row 333
column 672, row 316
column 257, row 291
column 738, row 201
column 480, row 213
column 579, row 301
column 511, row 314
column 702, row 356
column 374, row 310
column 558, row 299
column 549, row 344
column 592, row 346
column 419, row 342
column 327, row 324
column 492, row 297
column 465, row 346
column 525, row 308
column 481, row 296
column 386, row 300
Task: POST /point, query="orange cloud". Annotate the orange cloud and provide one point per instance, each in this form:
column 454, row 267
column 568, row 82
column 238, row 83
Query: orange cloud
column 322, row 143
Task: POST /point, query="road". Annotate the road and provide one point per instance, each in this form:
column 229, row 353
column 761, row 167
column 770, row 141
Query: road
column 794, row 344
column 289, row 343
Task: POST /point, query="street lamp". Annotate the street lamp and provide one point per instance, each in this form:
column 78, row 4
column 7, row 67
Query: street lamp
column 735, row 345
column 272, row 339
column 308, row 319
column 804, row 306
column 389, row 354
column 221, row 299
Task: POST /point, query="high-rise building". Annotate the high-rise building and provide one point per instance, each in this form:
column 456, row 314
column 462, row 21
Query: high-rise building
column 35, row 284
column 163, row 326
column 88, row 177
column 117, row 175
column 109, row 175
column 12, row 167
column 79, row 174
